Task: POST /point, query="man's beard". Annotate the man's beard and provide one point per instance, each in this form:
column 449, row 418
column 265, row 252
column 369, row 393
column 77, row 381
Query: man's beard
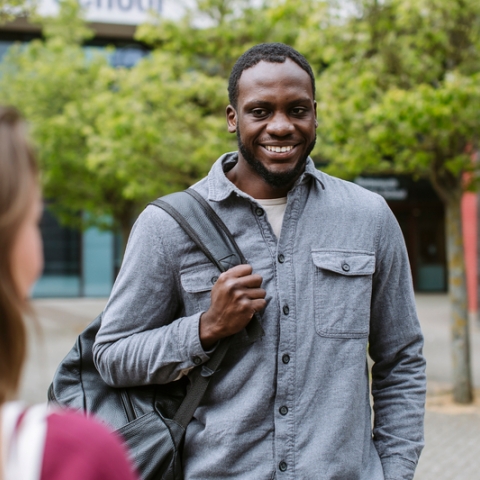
column 280, row 179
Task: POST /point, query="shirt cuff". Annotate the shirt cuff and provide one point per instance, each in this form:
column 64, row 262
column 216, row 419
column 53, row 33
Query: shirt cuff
column 190, row 334
column 395, row 468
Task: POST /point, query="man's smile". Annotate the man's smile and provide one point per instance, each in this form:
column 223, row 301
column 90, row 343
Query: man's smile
column 278, row 148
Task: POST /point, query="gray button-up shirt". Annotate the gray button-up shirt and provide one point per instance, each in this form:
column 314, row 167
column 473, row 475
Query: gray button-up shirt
column 294, row 405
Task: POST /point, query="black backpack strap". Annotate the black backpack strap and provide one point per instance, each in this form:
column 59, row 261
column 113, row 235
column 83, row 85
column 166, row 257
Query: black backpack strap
column 200, row 378
column 201, row 223
column 204, row 227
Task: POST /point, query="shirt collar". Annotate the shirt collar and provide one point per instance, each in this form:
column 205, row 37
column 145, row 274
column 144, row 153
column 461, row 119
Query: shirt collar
column 220, row 187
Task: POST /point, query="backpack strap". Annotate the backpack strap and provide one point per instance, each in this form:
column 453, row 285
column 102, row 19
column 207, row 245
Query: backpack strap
column 197, row 219
column 24, row 431
column 202, row 224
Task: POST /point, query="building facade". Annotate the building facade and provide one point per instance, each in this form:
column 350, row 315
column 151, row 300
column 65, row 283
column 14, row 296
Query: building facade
column 421, row 216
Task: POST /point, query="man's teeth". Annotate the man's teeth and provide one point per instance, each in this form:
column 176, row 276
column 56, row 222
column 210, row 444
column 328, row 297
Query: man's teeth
column 271, row 148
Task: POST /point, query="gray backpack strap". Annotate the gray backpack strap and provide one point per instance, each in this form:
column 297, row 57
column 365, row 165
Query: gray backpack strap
column 197, row 218
column 202, row 224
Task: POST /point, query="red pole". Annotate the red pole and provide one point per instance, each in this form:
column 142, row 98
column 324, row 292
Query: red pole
column 469, row 227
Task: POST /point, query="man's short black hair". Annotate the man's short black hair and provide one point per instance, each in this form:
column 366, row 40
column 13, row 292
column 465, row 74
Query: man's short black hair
column 268, row 52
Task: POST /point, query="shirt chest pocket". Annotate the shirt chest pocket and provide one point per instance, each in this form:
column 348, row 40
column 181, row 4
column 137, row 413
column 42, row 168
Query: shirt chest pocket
column 197, row 283
column 343, row 291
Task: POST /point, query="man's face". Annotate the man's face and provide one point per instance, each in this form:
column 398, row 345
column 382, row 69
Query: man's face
column 275, row 121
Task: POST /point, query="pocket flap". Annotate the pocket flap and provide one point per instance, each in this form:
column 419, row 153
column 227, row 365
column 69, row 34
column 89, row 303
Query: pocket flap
column 345, row 263
column 199, row 279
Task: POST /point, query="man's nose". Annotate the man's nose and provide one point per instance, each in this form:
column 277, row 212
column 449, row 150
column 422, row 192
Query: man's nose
column 279, row 125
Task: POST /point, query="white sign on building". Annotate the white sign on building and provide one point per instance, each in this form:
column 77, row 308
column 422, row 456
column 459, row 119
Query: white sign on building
column 119, row 12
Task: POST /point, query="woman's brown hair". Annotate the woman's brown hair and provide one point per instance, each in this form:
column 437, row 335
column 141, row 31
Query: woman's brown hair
column 18, row 177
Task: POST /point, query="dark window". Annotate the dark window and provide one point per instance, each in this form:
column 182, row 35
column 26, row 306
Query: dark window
column 61, row 247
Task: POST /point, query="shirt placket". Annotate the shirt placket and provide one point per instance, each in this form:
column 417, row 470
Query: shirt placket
column 284, row 414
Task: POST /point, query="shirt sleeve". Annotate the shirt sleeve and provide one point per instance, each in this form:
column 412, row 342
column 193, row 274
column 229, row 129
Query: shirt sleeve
column 79, row 448
column 395, row 346
column 143, row 338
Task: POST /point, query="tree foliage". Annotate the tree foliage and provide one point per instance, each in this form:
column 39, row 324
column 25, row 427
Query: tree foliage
column 400, row 93
column 9, row 9
column 152, row 132
column 110, row 140
column 215, row 33
column 49, row 81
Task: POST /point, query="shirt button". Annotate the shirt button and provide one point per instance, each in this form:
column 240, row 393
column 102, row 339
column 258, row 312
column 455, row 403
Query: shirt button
column 197, row 360
column 281, row 258
column 346, row 267
column 214, row 280
column 259, row 211
column 283, row 410
column 286, row 310
column 282, row 466
column 286, row 359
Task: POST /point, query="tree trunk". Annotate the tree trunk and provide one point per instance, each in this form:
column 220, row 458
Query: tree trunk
column 462, row 376
column 125, row 214
column 125, row 229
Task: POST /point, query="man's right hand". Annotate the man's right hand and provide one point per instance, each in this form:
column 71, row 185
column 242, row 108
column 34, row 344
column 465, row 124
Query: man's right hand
column 236, row 297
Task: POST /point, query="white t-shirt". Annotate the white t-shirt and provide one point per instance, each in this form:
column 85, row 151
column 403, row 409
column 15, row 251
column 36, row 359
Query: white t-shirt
column 275, row 208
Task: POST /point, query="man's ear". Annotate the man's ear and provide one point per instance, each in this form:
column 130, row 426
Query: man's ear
column 315, row 110
column 231, row 119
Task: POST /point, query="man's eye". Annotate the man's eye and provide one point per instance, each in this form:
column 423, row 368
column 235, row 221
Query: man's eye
column 259, row 112
column 298, row 110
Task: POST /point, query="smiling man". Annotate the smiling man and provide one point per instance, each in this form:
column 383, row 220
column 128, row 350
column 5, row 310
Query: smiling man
column 328, row 271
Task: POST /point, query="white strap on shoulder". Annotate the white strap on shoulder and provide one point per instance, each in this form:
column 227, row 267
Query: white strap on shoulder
column 24, row 430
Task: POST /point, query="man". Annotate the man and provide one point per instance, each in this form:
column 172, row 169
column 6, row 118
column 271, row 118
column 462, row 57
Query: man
column 329, row 273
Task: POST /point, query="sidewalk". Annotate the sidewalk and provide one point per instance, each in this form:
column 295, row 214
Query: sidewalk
column 60, row 321
column 452, row 432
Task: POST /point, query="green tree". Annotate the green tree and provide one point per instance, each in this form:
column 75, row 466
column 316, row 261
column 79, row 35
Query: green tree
column 9, row 9
column 45, row 79
column 154, row 133
column 49, row 80
column 400, row 93
column 109, row 140
column 213, row 34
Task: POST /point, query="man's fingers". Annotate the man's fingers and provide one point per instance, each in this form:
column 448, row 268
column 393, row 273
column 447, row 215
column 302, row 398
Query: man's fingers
column 258, row 305
column 250, row 281
column 240, row 284
column 238, row 271
column 256, row 293
column 240, row 278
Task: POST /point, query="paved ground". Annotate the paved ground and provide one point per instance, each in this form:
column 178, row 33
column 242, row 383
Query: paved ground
column 452, row 433
column 452, row 449
column 60, row 321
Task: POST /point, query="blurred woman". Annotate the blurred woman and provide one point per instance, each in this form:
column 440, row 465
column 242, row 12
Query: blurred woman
column 36, row 442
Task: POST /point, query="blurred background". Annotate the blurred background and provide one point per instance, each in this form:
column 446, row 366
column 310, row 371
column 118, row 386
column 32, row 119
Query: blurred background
column 125, row 101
